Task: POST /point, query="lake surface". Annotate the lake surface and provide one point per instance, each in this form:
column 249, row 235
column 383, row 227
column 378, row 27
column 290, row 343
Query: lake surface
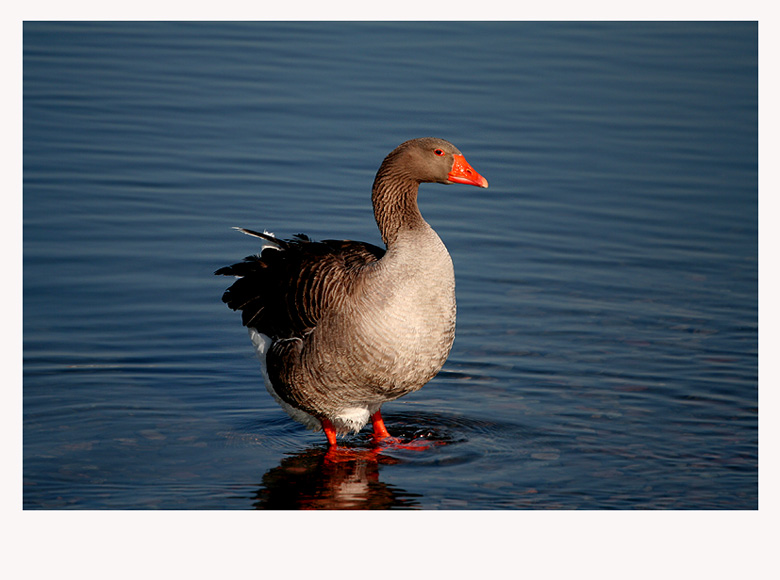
column 607, row 281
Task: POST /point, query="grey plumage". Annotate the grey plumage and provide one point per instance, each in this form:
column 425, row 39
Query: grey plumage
column 346, row 326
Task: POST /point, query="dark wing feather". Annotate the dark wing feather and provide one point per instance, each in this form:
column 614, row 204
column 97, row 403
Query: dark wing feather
column 284, row 291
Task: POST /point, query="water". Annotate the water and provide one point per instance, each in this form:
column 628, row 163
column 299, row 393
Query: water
column 606, row 349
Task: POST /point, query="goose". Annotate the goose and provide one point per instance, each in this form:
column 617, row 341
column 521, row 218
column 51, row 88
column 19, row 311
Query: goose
column 341, row 327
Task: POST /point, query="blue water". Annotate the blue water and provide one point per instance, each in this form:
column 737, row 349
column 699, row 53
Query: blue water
column 606, row 348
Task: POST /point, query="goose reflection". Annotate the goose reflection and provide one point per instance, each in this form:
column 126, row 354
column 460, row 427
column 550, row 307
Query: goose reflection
column 316, row 479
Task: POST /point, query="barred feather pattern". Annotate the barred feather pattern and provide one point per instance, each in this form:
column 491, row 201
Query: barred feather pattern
column 348, row 330
column 283, row 291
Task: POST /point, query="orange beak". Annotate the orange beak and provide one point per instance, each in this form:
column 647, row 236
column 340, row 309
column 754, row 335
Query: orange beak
column 462, row 172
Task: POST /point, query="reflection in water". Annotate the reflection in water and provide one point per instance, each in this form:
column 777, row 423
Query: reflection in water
column 349, row 477
column 314, row 480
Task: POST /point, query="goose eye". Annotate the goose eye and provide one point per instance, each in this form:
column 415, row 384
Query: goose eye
column 439, row 152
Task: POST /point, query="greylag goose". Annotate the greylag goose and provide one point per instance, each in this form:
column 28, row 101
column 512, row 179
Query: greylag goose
column 342, row 327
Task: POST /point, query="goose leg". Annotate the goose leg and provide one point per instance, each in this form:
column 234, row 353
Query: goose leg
column 330, row 432
column 381, row 434
column 380, row 431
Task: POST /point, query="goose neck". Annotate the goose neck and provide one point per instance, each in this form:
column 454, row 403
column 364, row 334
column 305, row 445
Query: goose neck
column 394, row 198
